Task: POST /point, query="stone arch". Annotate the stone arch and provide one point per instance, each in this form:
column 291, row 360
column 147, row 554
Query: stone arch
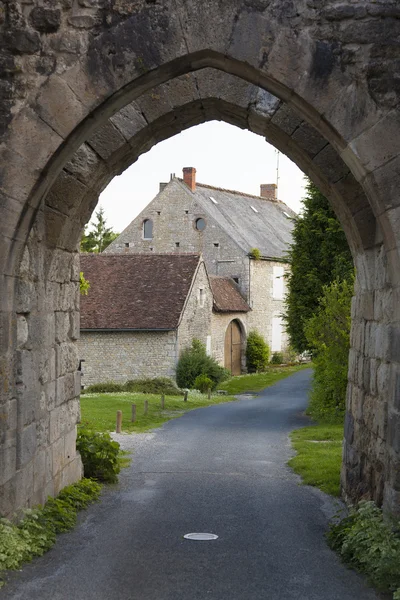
column 328, row 97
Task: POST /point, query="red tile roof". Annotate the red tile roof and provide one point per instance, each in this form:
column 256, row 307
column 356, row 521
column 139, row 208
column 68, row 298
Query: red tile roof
column 227, row 297
column 136, row 291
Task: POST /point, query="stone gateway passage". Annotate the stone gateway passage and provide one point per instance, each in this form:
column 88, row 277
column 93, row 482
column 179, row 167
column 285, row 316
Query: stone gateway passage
column 86, row 87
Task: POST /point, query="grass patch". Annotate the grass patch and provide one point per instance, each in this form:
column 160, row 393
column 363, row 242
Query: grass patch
column 98, row 412
column 255, row 382
column 319, row 456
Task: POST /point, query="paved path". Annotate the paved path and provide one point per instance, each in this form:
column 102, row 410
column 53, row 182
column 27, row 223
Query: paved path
column 221, row 470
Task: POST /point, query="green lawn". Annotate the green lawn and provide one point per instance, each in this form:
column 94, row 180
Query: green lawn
column 98, row 411
column 256, row 382
column 319, row 456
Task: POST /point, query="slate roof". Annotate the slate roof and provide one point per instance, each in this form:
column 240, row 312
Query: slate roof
column 269, row 229
column 227, row 297
column 136, row 291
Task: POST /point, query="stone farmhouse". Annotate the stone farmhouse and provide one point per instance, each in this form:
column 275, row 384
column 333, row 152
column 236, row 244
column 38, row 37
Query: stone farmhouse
column 224, row 226
column 142, row 310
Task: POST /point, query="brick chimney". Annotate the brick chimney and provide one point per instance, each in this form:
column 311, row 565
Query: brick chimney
column 189, row 177
column 268, row 190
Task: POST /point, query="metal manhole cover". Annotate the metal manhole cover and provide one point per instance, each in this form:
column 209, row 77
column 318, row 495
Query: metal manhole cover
column 200, row 536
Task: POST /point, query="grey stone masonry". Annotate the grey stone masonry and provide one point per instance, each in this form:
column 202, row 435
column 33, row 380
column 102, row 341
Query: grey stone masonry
column 87, row 87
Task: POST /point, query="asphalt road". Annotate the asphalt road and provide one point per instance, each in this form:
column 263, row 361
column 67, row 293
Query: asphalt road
column 220, row 470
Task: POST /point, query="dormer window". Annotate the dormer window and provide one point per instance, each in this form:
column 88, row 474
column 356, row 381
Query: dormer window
column 147, row 229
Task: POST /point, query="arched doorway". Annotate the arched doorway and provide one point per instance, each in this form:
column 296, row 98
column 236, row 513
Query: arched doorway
column 307, row 82
column 233, row 348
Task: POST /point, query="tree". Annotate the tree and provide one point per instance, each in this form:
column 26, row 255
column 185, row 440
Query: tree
column 328, row 334
column 99, row 237
column 318, row 255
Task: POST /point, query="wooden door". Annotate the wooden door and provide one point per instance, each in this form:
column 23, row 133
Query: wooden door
column 233, row 348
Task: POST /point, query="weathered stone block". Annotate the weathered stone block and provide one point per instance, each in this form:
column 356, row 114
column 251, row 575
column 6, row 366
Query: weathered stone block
column 28, row 444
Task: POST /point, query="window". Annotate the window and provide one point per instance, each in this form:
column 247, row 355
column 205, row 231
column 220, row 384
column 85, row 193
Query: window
column 200, row 224
column 216, row 245
column 278, row 283
column 159, row 212
column 236, row 280
column 254, row 209
column 186, row 212
column 213, row 200
column 126, row 244
column 177, row 244
column 147, row 229
column 202, row 296
column 277, row 328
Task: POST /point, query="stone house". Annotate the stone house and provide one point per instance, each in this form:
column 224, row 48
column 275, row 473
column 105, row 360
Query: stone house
column 142, row 310
column 224, row 226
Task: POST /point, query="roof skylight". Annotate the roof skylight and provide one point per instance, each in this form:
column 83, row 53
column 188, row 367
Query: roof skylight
column 286, row 215
column 255, row 210
column 213, row 200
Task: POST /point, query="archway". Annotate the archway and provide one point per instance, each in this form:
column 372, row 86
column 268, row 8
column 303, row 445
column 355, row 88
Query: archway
column 138, row 73
column 233, row 349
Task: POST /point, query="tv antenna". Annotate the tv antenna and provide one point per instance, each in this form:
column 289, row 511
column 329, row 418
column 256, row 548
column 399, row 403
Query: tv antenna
column 277, row 170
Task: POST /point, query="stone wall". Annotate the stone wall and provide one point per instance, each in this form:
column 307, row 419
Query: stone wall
column 87, row 87
column 196, row 319
column 120, row 356
column 264, row 306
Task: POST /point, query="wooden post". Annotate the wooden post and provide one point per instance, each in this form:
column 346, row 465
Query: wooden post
column 146, row 407
column 162, row 401
column 185, row 397
column 133, row 418
column 119, row 421
column 209, row 393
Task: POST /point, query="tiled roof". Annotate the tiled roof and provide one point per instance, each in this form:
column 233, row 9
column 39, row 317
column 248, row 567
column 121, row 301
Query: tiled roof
column 252, row 221
column 136, row 291
column 227, row 297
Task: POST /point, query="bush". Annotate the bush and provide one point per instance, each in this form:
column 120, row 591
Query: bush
column 257, row 353
column 102, row 388
column 255, row 254
column 36, row 533
column 194, row 361
column 158, row 385
column 203, row 383
column 99, row 455
column 277, row 358
column 368, row 543
column 328, row 333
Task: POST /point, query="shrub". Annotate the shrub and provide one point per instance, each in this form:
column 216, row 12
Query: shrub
column 99, row 455
column 257, row 352
column 102, row 388
column 36, row 532
column 277, row 358
column 203, row 383
column 158, row 385
column 195, row 361
column 328, row 333
column 255, row 254
column 369, row 544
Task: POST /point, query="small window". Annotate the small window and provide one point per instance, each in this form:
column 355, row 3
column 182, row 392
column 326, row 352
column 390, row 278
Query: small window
column 159, row 212
column 278, row 283
column 151, row 249
column 126, row 244
column 147, row 229
column 200, row 224
column 216, row 245
column 286, row 215
column 236, row 280
column 177, row 244
column 202, row 296
column 186, row 212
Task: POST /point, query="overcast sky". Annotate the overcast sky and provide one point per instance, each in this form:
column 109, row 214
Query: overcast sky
column 224, row 156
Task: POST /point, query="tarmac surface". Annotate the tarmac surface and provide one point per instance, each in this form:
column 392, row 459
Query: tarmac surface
column 219, row 470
